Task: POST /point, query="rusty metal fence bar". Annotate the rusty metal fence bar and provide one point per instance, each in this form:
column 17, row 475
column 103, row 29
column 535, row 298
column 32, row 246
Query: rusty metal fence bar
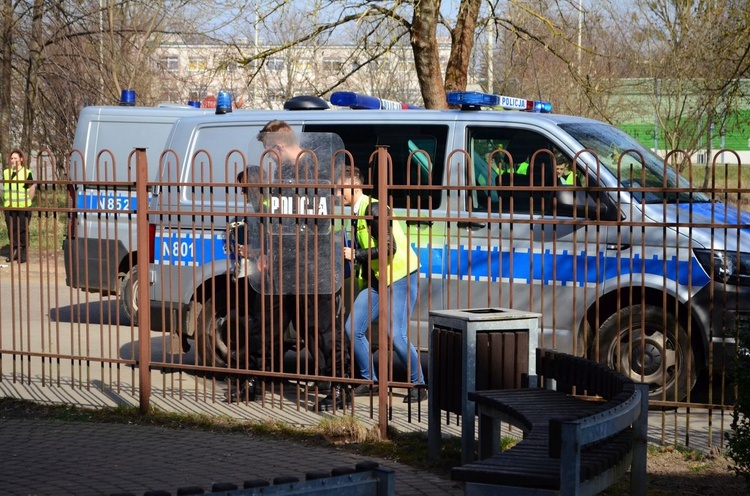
column 598, row 280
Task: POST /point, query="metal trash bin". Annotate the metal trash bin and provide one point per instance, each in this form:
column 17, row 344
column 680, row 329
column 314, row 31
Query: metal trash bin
column 473, row 350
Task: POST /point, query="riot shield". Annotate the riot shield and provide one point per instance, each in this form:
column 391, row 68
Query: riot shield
column 299, row 253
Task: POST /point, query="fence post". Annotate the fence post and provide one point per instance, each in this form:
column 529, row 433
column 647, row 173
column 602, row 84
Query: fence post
column 384, row 303
column 144, row 314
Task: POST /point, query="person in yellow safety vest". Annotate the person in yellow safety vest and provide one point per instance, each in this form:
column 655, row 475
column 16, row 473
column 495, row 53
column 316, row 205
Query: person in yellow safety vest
column 565, row 174
column 497, row 164
column 402, row 278
column 18, row 193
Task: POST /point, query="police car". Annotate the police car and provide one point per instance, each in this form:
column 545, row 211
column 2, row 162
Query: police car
column 622, row 264
column 100, row 250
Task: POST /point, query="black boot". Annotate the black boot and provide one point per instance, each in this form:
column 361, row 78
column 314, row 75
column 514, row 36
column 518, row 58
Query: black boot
column 247, row 390
column 13, row 256
column 22, row 258
column 338, row 392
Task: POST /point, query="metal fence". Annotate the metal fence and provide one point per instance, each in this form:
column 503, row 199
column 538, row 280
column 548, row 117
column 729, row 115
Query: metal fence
column 625, row 275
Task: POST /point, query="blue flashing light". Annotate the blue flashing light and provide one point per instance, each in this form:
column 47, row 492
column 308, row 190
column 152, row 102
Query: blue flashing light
column 223, row 102
column 127, row 98
column 194, row 103
column 367, row 102
column 543, row 107
column 472, row 99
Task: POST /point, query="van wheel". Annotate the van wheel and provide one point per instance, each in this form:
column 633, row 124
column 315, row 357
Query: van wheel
column 662, row 360
column 129, row 295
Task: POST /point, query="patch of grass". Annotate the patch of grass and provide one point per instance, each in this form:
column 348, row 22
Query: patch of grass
column 688, row 454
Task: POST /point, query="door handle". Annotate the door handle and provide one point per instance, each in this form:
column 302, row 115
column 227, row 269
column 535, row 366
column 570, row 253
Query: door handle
column 420, row 223
column 472, row 226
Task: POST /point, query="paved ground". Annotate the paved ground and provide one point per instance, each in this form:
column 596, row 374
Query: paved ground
column 46, row 457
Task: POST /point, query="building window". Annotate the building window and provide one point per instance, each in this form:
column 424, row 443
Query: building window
column 275, row 64
column 197, row 64
column 169, row 63
column 332, row 65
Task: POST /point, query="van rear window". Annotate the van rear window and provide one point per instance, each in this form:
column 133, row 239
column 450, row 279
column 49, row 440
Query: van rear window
column 425, row 144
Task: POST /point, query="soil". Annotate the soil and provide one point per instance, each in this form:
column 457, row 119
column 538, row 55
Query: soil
column 676, row 472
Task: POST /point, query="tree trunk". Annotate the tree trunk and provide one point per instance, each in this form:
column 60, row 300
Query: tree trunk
column 426, row 59
column 32, row 77
column 462, row 40
column 6, row 70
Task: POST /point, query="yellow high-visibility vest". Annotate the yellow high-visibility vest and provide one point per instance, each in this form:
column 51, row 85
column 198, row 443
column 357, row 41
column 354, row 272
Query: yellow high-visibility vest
column 404, row 261
column 15, row 191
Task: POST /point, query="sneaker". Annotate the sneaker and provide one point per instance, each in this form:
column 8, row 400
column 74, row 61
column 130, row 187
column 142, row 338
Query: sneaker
column 365, row 390
column 415, row 395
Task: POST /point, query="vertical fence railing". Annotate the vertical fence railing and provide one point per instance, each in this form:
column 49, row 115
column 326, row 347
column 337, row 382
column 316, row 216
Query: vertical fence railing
column 72, row 354
column 144, row 310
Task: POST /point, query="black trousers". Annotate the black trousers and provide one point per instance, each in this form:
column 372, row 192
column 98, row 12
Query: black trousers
column 317, row 322
column 17, row 222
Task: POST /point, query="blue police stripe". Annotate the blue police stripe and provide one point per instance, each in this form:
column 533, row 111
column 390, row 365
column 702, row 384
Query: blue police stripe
column 549, row 268
column 729, row 215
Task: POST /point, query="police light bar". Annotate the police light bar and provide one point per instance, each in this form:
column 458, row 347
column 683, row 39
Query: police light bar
column 223, row 102
column 127, row 98
column 473, row 100
column 194, row 103
column 367, row 102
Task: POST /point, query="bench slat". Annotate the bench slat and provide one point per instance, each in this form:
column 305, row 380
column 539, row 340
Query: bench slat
column 609, row 432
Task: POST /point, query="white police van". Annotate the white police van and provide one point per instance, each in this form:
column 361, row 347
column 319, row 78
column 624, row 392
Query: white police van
column 100, row 250
column 611, row 263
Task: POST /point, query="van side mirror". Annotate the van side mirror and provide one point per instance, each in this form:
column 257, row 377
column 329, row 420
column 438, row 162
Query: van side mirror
column 572, row 202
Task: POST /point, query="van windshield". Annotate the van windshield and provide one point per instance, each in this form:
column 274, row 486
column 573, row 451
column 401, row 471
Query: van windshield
column 609, row 143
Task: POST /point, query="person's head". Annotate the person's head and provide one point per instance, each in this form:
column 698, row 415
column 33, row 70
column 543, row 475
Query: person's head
column 279, row 136
column 250, row 175
column 562, row 165
column 350, row 185
column 16, row 159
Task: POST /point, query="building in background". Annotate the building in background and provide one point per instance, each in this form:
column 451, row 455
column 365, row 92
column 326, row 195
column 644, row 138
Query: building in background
column 198, row 68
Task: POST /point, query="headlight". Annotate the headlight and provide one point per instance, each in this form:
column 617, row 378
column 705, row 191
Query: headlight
column 726, row 267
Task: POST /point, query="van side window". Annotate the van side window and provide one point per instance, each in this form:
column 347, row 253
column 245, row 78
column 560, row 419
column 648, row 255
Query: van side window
column 502, row 161
column 425, row 144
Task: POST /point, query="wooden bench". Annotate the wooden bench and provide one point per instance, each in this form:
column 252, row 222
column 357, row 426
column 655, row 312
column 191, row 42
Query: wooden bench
column 574, row 444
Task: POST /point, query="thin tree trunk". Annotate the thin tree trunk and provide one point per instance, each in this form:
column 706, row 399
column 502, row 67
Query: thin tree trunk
column 6, row 78
column 462, row 39
column 32, row 77
column 426, row 56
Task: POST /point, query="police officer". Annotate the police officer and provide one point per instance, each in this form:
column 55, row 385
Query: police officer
column 565, row 174
column 402, row 278
column 314, row 311
column 247, row 248
column 18, row 193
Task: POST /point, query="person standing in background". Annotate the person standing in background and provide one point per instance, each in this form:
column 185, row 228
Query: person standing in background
column 18, row 193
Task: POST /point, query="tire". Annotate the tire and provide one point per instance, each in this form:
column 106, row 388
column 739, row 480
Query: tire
column 213, row 338
column 129, row 295
column 668, row 381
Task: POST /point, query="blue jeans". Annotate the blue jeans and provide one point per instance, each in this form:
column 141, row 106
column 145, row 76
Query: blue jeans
column 365, row 309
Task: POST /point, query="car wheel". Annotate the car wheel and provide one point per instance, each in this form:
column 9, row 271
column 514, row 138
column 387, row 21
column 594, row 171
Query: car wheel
column 636, row 343
column 129, row 295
